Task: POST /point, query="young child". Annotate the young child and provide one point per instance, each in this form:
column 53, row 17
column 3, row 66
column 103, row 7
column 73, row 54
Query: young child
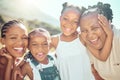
column 72, row 58
column 41, row 66
column 14, row 37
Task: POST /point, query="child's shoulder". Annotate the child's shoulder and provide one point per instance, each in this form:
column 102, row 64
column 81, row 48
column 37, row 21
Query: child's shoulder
column 50, row 57
column 54, row 40
column 55, row 37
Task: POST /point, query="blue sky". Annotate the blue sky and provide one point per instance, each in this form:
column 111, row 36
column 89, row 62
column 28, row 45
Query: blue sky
column 54, row 7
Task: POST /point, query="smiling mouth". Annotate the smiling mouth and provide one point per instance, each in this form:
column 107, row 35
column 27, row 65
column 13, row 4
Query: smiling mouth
column 40, row 55
column 20, row 50
column 94, row 41
column 67, row 29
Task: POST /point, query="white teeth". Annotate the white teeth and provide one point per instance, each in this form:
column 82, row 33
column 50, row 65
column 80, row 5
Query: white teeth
column 18, row 48
column 93, row 40
column 39, row 54
column 67, row 29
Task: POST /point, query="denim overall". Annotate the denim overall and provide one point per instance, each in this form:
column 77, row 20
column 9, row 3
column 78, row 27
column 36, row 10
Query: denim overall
column 49, row 73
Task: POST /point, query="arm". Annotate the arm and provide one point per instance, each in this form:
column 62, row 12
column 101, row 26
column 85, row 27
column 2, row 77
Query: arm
column 20, row 72
column 8, row 70
column 16, row 73
column 54, row 41
column 27, row 70
column 3, row 64
column 95, row 73
column 105, row 51
column 9, row 65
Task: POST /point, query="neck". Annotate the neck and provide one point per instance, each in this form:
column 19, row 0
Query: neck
column 70, row 37
column 45, row 61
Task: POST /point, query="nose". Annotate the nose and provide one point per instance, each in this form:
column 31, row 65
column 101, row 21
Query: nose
column 90, row 35
column 69, row 23
column 39, row 48
column 20, row 42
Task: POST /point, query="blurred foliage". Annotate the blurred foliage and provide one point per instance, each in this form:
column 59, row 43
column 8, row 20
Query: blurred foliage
column 36, row 24
column 31, row 24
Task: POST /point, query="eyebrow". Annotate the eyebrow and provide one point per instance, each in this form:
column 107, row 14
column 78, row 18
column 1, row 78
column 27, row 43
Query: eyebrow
column 15, row 34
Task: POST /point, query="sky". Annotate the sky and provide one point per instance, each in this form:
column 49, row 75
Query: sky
column 54, row 7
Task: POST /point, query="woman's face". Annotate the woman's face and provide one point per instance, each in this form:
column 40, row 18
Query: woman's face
column 69, row 21
column 16, row 40
column 39, row 47
column 91, row 32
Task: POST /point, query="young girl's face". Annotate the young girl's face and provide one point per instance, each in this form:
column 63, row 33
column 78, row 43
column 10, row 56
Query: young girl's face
column 39, row 46
column 16, row 40
column 91, row 31
column 69, row 21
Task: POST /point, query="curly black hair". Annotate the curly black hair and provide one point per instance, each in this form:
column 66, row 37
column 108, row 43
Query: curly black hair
column 101, row 8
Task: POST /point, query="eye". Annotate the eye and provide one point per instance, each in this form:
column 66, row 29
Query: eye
column 25, row 37
column 95, row 28
column 65, row 19
column 84, row 31
column 75, row 22
column 13, row 37
column 45, row 44
column 34, row 44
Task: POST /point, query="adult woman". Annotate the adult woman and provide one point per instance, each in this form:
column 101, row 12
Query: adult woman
column 15, row 38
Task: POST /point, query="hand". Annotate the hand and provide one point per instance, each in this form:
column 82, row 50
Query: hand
column 17, row 73
column 95, row 73
column 3, row 52
column 105, row 24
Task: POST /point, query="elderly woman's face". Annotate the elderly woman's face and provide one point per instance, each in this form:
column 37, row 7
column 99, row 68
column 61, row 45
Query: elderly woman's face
column 91, row 32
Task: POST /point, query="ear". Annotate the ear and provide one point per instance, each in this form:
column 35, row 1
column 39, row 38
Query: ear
column 2, row 40
column 60, row 18
column 28, row 47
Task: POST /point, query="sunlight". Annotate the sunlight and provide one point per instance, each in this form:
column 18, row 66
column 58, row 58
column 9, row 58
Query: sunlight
column 25, row 4
column 25, row 8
